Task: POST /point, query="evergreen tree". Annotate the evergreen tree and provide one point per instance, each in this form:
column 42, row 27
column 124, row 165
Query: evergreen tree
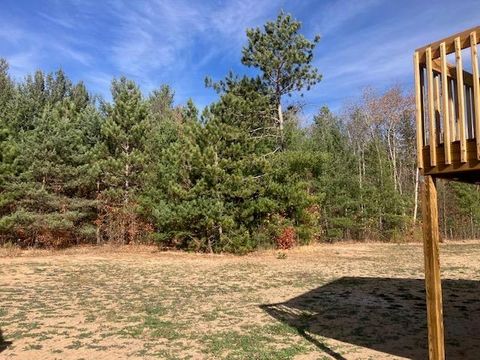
column 209, row 192
column 284, row 56
column 242, row 175
column 124, row 138
column 48, row 196
column 8, row 146
column 335, row 161
column 7, row 109
column 467, row 201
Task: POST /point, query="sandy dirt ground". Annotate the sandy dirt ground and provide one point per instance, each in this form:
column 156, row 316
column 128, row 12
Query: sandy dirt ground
column 341, row 301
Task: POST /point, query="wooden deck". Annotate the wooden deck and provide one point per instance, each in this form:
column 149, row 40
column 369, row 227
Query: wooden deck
column 448, row 107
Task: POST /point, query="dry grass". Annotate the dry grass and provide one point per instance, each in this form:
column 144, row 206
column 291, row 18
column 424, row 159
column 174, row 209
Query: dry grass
column 343, row 301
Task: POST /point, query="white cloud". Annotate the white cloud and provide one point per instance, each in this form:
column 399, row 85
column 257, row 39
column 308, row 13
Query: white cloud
column 232, row 20
column 161, row 34
column 23, row 63
column 152, row 36
column 337, row 13
column 28, row 48
column 379, row 54
column 64, row 21
column 160, row 41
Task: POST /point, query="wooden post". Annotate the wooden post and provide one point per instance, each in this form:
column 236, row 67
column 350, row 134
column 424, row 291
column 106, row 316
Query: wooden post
column 476, row 89
column 431, row 237
column 460, row 101
column 431, row 110
column 418, row 109
column 445, row 104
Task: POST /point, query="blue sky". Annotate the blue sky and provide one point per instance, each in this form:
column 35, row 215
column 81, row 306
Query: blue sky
column 363, row 42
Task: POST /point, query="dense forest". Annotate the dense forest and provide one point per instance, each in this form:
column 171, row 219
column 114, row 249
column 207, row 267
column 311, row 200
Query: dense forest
column 242, row 174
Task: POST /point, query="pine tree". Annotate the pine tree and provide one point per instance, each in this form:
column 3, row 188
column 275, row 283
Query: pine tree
column 284, row 56
column 334, row 179
column 8, row 146
column 123, row 160
column 7, row 108
column 49, row 195
column 209, row 187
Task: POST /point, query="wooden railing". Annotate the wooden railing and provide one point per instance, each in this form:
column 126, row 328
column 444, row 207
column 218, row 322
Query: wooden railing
column 448, row 104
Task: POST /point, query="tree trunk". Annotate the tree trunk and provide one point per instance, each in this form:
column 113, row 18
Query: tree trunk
column 126, row 194
column 97, row 235
column 280, row 123
column 97, row 223
column 127, row 184
column 209, row 245
column 444, row 216
column 472, row 224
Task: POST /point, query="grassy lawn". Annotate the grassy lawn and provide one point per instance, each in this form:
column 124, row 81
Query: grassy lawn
column 344, row 301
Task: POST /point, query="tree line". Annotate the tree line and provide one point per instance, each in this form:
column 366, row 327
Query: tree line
column 242, row 174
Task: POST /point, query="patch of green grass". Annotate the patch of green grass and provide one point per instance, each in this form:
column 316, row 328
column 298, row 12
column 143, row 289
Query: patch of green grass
column 75, row 345
column 90, row 318
column 33, row 347
column 29, row 326
column 154, row 328
column 134, row 331
column 260, row 341
column 161, row 328
column 97, row 347
column 84, row 335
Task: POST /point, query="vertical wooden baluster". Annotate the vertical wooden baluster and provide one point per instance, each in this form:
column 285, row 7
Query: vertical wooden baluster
column 455, row 109
column 460, row 101
column 426, row 120
column 437, row 105
column 468, row 114
column 431, row 109
column 476, row 90
column 418, row 110
column 445, row 107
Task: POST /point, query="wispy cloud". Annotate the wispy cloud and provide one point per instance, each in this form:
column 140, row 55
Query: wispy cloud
column 27, row 49
column 361, row 52
column 337, row 13
column 368, row 42
column 64, row 21
column 233, row 19
column 22, row 63
column 156, row 35
column 152, row 36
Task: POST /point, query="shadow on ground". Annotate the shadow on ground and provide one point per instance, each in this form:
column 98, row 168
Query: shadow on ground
column 383, row 314
column 3, row 344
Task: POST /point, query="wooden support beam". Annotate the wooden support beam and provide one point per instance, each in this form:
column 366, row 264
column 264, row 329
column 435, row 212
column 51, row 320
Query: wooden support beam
column 418, row 109
column 476, row 89
column 449, row 42
column 472, row 164
column 452, row 72
column 431, row 238
column 431, row 109
column 460, row 100
column 445, row 105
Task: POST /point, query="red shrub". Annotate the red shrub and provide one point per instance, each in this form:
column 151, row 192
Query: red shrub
column 286, row 239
